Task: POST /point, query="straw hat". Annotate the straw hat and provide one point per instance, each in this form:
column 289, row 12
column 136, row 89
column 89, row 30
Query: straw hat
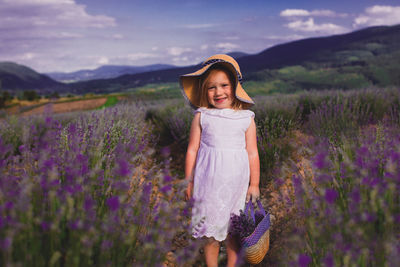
column 190, row 82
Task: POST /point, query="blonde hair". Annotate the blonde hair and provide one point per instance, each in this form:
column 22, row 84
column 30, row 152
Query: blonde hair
column 204, row 79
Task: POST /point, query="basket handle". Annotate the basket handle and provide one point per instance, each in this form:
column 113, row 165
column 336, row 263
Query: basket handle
column 249, row 204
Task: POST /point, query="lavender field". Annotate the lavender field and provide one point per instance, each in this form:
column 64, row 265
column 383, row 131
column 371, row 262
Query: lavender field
column 104, row 188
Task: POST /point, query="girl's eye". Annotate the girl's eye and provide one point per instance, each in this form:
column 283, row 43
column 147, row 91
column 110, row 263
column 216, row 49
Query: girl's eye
column 210, row 88
column 225, row 85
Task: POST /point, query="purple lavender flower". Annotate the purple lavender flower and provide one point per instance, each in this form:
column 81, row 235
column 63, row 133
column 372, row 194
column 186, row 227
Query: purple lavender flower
column 331, row 195
column 320, row 160
column 328, row 261
column 113, row 203
column 304, row 260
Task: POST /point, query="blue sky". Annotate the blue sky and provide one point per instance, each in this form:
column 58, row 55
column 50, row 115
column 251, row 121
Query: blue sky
column 68, row 35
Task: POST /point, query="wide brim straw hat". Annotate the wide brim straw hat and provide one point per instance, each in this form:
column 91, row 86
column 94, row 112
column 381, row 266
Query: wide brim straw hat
column 190, row 83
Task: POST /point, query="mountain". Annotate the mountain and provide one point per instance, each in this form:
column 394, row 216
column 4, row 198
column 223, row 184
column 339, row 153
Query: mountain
column 237, row 55
column 374, row 52
column 19, row 77
column 362, row 58
column 104, row 72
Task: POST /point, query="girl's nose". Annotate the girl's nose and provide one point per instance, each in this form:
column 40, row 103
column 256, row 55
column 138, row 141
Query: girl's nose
column 218, row 90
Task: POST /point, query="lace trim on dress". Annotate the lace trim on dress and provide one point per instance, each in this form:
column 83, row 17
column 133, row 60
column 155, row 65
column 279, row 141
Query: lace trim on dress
column 226, row 113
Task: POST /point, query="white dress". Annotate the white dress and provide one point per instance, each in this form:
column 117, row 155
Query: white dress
column 222, row 173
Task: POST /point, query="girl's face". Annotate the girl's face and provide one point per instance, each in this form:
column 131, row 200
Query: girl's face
column 219, row 90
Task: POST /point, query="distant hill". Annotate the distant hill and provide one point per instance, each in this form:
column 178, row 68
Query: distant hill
column 374, row 52
column 237, row 55
column 367, row 57
column 19, row 77
column 104, row 72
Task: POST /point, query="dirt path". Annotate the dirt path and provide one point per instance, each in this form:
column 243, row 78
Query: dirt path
column 67, row 106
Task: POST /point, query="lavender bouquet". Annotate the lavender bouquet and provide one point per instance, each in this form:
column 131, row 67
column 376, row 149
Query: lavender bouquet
column 242, row 225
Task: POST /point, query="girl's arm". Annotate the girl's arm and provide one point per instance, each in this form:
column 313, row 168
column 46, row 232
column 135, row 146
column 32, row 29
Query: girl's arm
column 254, row 161
column 191, row 154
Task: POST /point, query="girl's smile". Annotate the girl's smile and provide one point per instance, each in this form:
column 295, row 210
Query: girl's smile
column 219, row 90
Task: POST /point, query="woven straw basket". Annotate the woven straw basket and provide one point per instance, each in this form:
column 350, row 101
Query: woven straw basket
column 256, row 245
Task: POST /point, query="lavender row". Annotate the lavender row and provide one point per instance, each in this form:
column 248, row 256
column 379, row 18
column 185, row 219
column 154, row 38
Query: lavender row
column 82, row 189
column 346, row 207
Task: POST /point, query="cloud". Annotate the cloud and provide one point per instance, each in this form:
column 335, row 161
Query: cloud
column 177, row 51
column 288, row 13
column 294, row 12
column 40, row 27
column 199, row 26
column 231, row 38
column 284, row 37
column 226, row 47
column 103, row 60
column 28, row 56
column 138, row 56
column 378, row 15
column 310, row 26
column 180, row 60
column 49, row 13
column 117, row 36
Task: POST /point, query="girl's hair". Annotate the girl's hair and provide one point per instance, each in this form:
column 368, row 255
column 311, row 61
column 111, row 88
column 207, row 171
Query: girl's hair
column 202, row 93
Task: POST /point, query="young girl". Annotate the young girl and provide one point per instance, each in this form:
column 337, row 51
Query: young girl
column 222, row 163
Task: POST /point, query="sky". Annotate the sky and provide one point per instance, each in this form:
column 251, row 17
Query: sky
column 69, row 35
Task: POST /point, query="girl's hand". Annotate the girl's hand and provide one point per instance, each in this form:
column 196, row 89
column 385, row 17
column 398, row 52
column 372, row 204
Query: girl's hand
column 253, row 193
column 189, row 191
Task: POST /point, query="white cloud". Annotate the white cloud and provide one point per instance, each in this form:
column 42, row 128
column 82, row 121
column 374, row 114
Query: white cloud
column 199, row 26
column 284, row 37
column 294, row 12
column 103, row 60
column 288, row 13
column 177, row 51
column 16, row 14
column 226, row 47
column 180, row 60
column 310, row 26
column 378, row 15
column 27, row 56
column 118, row 36
column 231, row 38
column 204, row 47
column 138, row 56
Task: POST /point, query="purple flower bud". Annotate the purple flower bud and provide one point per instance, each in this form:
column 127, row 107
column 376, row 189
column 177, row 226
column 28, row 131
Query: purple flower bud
column 320, row 160
column 304, row 260
column 331, row 195
column 113, row 203
column 167, row 179
column 328, row 261
column 45, row 226
column 166, row 189
column 5, row 243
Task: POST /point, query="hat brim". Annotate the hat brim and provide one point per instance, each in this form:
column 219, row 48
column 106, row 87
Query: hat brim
column 190, row 85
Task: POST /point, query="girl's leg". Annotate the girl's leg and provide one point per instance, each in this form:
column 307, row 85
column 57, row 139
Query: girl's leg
column 232, row 251
column 211, row 251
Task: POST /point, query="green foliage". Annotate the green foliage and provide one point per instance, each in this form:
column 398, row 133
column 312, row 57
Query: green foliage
column 30, row 95
column 157, row 91
column 54, row 95
column 77, row 195
column 298, row 78
column 276, row 122
column 172, row 123
column 111, row 101
column 347, row 205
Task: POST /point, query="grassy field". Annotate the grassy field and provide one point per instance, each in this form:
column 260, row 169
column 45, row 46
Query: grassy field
column 104, row 187
column 61, row 105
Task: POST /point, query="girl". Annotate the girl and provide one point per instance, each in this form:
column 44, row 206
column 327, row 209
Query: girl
column 222, row 163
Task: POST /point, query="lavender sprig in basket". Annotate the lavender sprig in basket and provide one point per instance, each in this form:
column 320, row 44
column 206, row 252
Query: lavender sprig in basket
column 252, row 231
